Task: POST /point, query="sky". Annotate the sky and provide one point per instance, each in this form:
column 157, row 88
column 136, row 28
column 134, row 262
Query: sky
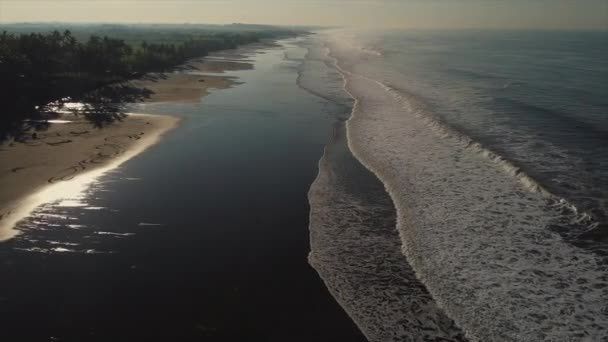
column 511, row 14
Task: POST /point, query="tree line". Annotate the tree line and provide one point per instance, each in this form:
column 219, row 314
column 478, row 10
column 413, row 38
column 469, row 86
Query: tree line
column 37, row 69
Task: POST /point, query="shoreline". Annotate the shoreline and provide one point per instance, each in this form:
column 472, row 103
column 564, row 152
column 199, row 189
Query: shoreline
column 182, row 87
column 74, row 151
column 66, row 158
column 193, row 80
column 228, row 258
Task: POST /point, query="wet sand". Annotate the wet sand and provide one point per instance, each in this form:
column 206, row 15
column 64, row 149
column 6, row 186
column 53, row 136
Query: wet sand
column 64, row 151
column 211, row 65
column 182, row 87
column 75, row 146
column 192, row 81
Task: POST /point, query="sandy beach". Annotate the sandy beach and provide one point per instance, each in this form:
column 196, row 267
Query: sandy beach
column 72, row 146
column 66, row 150
column 192, row 81
column 212, row 65
column 181, row 87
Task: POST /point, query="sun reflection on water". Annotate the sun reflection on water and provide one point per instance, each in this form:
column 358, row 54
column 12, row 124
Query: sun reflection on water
column 69, row 193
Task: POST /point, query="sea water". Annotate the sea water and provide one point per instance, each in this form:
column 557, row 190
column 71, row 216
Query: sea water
column 355, row 245
column 492, row 147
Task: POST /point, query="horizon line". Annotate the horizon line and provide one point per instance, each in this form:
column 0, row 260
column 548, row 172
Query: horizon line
column 308, row 25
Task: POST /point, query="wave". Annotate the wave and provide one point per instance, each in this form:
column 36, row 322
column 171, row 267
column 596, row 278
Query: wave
column 474, row 226
column 312, row 71
column 355, row 248
column 578, row 222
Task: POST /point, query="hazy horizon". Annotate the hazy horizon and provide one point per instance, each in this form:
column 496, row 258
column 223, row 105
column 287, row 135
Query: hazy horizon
column 465, row 14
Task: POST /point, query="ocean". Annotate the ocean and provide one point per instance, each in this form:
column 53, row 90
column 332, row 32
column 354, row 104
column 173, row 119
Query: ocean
column 379, row 185
column 492, row 148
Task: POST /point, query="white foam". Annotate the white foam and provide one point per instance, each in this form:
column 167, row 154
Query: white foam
column 477, row 237
column 355, row 248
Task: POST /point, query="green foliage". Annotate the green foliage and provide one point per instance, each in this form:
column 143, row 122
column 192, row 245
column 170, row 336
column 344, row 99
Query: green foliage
column 48, row 67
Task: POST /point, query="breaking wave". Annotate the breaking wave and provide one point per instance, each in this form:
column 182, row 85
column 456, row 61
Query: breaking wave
column 479, row 232
column 356, row 250
column 355, row 246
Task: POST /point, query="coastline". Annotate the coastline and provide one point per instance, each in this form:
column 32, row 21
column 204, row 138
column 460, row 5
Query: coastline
column 72, row 147
column 182, row 87
column 194, row 79
column 207, row 215
column 68, row 151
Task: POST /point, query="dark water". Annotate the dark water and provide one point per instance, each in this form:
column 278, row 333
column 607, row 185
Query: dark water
column 204, row 237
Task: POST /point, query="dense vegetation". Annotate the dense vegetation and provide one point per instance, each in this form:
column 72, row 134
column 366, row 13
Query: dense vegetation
column 39, row 70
